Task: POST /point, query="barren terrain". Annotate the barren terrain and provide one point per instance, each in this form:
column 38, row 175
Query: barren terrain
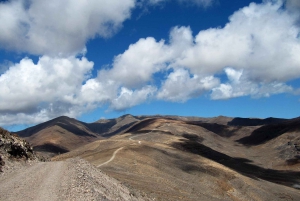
column 63, row 180
column 163, row 158
column 174, row 159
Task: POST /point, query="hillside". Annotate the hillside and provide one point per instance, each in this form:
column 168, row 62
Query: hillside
column 57, row 136
column 64, row 134
column 110, row 127
column 188, row 158
column 179, row 158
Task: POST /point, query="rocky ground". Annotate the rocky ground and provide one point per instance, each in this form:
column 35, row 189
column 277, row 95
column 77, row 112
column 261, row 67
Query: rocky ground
column 24, row 176
column 14, row 150
column 73, row 179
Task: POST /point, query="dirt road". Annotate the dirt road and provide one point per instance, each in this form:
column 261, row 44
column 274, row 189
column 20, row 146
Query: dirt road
column 73, row 179
column 37, row 182
column 112, row 158
column 115, row 152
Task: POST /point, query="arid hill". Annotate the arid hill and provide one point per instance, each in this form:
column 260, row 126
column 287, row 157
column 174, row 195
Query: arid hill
column 64, row 134
column 173, row 158
column 57, row 136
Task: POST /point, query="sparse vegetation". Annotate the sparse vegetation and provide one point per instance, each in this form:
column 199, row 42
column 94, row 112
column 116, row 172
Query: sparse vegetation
column 190, row 159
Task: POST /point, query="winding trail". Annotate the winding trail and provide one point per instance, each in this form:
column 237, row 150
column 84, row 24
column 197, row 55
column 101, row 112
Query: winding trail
column 112, row 158
column 115, row 152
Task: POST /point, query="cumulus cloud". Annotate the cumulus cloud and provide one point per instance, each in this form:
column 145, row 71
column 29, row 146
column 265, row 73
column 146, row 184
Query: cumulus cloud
column 260, row 38
column 293, row 5
column 35, row 92
column 129, row 98
column 239, row 85
column 258, row 50
column 23, row 119
column 63, row 27
column 202, row 3
column 136, row 65
column 59, row 27
column 27, row 87
column 181, row 86
column 260, row 42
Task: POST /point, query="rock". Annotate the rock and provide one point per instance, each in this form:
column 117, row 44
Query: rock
column 14, row 148
column 2, row 163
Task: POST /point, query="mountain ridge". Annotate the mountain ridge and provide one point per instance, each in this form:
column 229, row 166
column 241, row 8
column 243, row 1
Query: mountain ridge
column 165, row 157
column 54, row 131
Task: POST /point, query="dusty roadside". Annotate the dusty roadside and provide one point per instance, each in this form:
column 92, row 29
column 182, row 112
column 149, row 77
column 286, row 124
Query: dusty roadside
column 73, row 179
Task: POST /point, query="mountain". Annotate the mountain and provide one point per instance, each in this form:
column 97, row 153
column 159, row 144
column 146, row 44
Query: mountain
column 110, row 127
column 187, row 158
column 59, row 135
column 64, row 134
column 173, row 158
column 254, row 121
column 271, row 131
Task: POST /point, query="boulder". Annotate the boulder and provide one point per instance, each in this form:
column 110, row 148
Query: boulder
column 14, row 148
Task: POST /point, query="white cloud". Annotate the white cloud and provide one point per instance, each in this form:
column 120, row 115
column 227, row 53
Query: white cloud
column 63, row 27
column 33, row 93
column 59, row 27
column 24, row 87
column 239, row 85
column 293, row 4
column 129, row 98
column 181, row 86
column 154, row 2
column 260, row 44
column 260, row 38
column 97, row 92
column 260, row 41
column 22, row 118
column 202, row 3
column 136, row 65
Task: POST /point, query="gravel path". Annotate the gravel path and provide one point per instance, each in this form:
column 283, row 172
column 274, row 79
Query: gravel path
column 115, row 152
column 73, row 179
column 37, row 182
column 112, row 158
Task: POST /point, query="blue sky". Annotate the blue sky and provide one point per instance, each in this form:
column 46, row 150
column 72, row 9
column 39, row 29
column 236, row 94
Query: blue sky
column 98, row 59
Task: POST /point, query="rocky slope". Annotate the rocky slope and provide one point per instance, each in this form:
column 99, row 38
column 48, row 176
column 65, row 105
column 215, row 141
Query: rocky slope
column 13, row 148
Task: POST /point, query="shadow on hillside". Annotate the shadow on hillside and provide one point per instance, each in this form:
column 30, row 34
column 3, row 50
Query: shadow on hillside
column 141, row 132
column 104, row 128
column 73, row 129
column 221, row 130
column 101, row 127
column 142, row 124
column 269, row 132
column 66, row 123
column 254, row 122
column 50, row 148
column 193, row 145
